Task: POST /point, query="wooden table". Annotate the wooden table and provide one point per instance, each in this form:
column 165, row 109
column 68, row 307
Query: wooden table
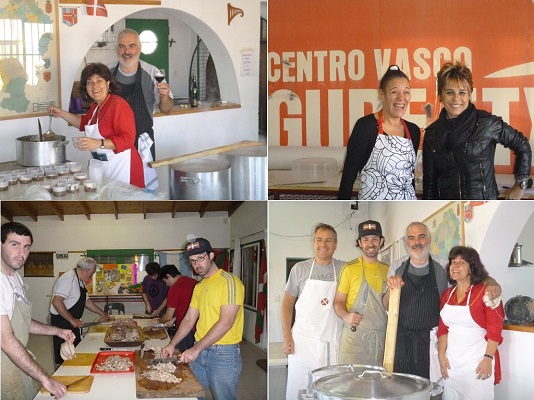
column 119, row 386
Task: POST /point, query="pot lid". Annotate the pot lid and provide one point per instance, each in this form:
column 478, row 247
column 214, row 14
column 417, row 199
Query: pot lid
column 371, row 384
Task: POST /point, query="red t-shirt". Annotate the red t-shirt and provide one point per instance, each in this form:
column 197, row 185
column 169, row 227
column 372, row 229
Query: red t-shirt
column 179, row 297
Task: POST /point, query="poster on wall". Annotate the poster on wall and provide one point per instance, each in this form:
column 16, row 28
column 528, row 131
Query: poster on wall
column 39, row 264
column 109, row 278
column 325, row 62
column 29, row 58
column 446, row 228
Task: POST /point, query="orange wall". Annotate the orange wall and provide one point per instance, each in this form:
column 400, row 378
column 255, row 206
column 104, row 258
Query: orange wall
column 325, row 60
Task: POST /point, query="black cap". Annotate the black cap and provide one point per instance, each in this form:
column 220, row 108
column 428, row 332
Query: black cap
column 369, row 228
column 198, row 246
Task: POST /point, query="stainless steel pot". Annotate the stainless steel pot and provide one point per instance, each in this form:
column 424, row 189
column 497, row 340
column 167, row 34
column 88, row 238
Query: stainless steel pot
column 31, row 153
column 372, row 385
column 249, row 178
column 338, row 369
column 201, row 179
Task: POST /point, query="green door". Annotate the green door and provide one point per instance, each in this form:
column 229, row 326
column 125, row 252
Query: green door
column 155, row 41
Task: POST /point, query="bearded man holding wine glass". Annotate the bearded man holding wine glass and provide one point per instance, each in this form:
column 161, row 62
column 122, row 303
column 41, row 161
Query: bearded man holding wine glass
column 142, row 89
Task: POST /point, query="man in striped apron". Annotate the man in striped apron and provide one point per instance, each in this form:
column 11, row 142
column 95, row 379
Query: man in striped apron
column 423, row 280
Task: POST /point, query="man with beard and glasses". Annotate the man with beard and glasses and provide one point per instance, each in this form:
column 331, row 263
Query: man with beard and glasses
column 217, row 309
column 141, row 91
column 358, row 300
column 19, row 369
column 423, row 280
column 313, row 341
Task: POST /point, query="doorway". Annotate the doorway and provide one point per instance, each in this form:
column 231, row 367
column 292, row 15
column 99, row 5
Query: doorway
column 154, row 35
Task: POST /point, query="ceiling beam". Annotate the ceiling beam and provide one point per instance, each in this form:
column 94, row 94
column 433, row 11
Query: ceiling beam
column 116, row 209
column 55, row 206
column 203, row 207
column 30, row 211
column 86, row 210
column 174, row 209
column 234, row 205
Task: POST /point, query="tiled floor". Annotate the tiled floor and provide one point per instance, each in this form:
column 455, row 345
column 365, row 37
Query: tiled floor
column 277, row 382
column 252, row 384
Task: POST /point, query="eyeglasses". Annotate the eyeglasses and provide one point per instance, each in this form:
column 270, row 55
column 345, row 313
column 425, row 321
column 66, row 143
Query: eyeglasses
column 198, row 259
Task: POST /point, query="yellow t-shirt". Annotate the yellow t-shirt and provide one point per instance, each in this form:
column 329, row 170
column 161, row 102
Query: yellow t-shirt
column 351, row 278
column 209, row 295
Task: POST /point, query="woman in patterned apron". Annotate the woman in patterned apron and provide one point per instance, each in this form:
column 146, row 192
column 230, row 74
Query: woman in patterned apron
column 469, row 331
column 383, row 147
column 109, row 126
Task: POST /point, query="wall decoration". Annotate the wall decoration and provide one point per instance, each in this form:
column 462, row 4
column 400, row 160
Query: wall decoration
column 447, row 228
column 96, row 8
column 39, row 264
column 469, row 209
column 70, row 15
column 234, row 12
column 29, row 62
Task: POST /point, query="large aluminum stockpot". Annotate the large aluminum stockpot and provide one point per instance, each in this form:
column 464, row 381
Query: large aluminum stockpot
column 339, row 369
column 372, row 385
column 31, row 153
column 249, row 177
column 201, row 179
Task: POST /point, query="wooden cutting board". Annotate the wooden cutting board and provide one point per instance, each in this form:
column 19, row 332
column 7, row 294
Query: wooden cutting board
column 157, row 333
column 81, row 360
column 98, row 328
column 145, row 388
column 82, row 387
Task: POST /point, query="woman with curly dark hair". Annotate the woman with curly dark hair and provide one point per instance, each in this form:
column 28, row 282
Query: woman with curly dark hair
column 109, row 126
column 469, row 331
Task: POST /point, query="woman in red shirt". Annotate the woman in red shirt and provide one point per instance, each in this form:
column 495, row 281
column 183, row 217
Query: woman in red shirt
column 109, row 126
column 469, row 331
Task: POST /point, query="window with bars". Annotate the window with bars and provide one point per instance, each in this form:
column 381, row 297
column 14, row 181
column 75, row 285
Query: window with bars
column 25, row 43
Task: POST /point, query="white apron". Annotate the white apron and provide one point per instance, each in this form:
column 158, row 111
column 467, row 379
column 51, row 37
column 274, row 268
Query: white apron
column 316, row 333
column 116, row 166
column 465, row 349
column 16, row 385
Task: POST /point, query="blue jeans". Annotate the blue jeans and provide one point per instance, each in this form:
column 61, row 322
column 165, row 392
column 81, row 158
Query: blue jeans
column 218, row 367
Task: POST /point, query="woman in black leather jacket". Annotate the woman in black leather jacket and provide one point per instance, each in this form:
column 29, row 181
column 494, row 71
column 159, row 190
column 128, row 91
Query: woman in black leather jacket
column 459, row 148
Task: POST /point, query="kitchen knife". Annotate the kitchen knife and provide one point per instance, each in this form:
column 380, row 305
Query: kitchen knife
column 74, row 383
column 360, row 308
column 163, row 360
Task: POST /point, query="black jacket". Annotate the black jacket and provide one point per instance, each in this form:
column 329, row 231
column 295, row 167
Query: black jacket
column 458, row 156
column 361, row 143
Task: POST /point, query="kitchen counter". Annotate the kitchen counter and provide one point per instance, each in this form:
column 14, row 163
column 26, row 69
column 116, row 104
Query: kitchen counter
column 282, row 183
column 179, row 109
column 119, row 386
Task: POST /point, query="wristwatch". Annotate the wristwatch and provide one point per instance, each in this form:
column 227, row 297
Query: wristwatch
column 102, row 145
column 522, row 183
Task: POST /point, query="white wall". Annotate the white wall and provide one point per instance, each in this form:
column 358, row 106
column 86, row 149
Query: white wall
column 249, row 224
column 179, row 134
column 159, row 231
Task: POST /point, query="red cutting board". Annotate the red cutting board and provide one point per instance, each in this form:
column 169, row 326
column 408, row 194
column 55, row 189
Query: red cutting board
column 145, row 388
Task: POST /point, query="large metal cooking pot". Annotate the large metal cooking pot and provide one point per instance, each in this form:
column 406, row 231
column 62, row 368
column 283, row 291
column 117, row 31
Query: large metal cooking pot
column 31, row 153
column 339, row 369
column 372, row 385
column 201, row 179
column 249, row 178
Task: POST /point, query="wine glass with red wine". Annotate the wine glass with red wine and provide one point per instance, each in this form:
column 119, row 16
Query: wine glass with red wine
column 159, row 75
